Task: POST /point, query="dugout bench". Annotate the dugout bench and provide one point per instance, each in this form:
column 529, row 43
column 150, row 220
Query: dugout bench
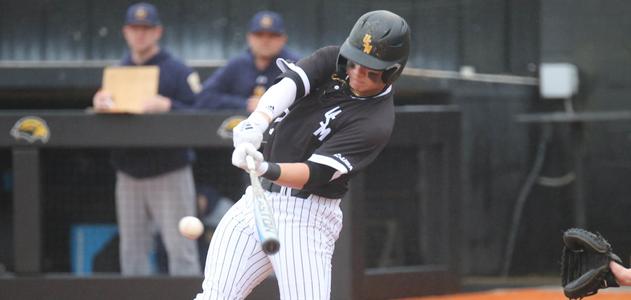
column 434, row 131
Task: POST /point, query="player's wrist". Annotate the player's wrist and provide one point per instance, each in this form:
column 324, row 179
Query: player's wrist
column 250, row 130
column 260, row 119
column 272, row 171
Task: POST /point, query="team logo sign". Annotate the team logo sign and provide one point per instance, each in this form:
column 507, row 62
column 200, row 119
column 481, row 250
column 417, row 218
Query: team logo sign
column 226, row 127
column 367, row 46
column 31, row 129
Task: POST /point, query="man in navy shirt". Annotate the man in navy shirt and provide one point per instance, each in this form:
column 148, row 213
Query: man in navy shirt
column 242, row 81
column 154, row 187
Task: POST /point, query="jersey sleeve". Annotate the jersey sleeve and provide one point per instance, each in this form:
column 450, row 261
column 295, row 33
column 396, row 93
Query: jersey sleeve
column 310, row 72
column 217, row 90
column 187, row 86
column 353, row 147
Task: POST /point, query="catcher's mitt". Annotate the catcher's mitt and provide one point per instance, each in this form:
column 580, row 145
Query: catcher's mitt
column 585, row 263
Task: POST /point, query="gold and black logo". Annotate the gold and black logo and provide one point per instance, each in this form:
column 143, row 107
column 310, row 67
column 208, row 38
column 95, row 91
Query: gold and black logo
column 367, row 46
column 266, row 21
column 140, row 14
column 31, row 129
column 258, row 91
column 194, row 83
column 226, row 127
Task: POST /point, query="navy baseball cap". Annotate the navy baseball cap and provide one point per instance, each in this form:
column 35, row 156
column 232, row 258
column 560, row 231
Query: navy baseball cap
column 267, row 21
column 142, row 14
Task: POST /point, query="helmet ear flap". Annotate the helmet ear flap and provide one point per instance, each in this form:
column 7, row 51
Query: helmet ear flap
column 390, row 75
column 341, row 64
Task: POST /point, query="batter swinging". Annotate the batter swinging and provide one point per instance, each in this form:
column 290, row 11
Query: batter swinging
column 326, row 118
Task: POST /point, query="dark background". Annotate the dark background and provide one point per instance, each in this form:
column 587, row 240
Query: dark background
column 52, row 54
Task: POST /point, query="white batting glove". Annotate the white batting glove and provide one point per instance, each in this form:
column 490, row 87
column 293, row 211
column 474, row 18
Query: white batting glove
column 250, row 131
column 247, row 149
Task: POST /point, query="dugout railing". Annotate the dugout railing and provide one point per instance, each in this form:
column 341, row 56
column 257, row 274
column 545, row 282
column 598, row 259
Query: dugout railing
column 434, row 132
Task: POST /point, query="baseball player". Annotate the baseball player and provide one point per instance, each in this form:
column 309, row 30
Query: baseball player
column 326, row 118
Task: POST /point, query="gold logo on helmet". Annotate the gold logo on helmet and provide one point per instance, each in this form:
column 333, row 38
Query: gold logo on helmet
column 31, row 129
column 367, row 46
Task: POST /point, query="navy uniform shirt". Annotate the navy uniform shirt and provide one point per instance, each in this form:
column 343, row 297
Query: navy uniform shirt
column 230, row 86
column 329, row 125
column 177, row 82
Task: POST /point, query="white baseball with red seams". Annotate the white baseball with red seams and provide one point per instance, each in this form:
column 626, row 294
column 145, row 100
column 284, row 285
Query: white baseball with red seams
column 191, row 227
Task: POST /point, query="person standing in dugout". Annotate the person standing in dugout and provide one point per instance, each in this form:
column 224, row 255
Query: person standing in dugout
column 326, row 118
column 243, row 80
column 154, row 185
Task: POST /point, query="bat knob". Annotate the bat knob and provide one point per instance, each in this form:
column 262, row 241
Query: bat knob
column 270, row 247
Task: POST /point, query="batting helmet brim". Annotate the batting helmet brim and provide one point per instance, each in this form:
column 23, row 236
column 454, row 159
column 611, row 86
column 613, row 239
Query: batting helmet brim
column 358, row 56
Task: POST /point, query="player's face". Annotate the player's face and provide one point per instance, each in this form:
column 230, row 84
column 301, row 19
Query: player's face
column 266, row 44
column 140, row 38
column 364, row 81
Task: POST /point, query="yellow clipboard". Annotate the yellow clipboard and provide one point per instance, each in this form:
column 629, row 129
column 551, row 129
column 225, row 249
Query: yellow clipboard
column 130, row 86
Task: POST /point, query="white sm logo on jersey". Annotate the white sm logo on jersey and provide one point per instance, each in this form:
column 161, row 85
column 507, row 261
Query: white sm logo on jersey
column 324, row 131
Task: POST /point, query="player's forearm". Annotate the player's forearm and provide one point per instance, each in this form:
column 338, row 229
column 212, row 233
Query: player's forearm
column 293, row 175
column 277, row 98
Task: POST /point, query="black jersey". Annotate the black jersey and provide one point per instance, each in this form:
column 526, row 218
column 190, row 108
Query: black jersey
column 327, row 124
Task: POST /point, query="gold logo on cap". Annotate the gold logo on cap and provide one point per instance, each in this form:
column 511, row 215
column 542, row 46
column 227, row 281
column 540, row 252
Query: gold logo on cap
column 266, row 21
column 31, row 129
column 141, row 13
column 367, row 46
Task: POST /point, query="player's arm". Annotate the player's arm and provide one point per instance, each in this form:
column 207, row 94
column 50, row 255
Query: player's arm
column 294, row 175
column 276, row 99
column 183, row 97
column 304, row 175
column 295, row 82
column 188, row 85
column 217, row 91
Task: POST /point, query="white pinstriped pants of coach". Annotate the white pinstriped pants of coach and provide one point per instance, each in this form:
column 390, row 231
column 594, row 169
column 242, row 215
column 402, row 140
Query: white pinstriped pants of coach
column 307, row 229
column 162, row 200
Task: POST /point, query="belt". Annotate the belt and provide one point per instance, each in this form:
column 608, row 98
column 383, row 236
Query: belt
column 275, row 188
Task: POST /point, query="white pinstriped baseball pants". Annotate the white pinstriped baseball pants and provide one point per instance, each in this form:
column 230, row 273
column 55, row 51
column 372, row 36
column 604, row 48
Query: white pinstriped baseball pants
column 161, row 200
column 307, row 229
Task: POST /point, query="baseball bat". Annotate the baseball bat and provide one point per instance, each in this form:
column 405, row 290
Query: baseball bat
column 263, row 217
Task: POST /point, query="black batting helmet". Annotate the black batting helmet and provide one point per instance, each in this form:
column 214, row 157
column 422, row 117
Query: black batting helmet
column 380, row 40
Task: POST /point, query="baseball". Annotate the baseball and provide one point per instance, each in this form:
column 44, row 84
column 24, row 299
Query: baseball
column 191, row 227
